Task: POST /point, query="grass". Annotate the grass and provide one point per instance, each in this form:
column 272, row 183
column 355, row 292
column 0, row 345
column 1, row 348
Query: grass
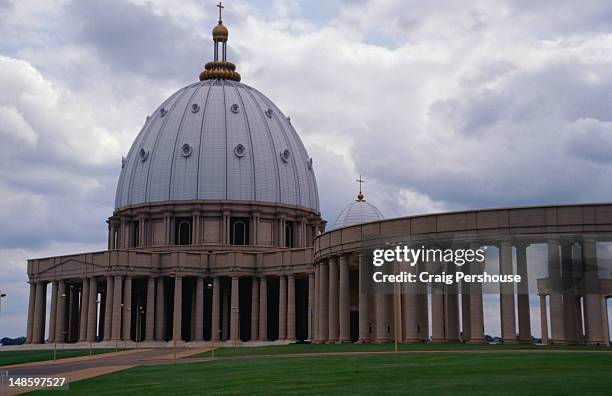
column 17, row 357
column 442, row 373
column 330, row 348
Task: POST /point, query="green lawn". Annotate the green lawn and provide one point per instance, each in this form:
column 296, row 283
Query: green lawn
column 328, row 348
column 16, row 357
column 420, row 373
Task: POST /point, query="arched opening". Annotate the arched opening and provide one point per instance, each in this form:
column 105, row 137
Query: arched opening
column 289, row 234
column 239, row 231
column 183, row 231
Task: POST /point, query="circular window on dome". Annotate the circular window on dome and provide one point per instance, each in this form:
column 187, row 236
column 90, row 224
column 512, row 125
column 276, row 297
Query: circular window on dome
column 309, row 163
column 239, row 150
column 144, row 154
column 234, row 108
column 195, row 108
column 186, row 150
column 285, row 154
column 162, row 112
column 269, row 113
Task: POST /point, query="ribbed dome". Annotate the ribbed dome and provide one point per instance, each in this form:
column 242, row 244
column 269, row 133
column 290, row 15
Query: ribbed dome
column 217, row 140
column 357, row 212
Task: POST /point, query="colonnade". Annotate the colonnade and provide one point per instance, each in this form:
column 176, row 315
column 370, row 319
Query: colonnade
column 126, row 308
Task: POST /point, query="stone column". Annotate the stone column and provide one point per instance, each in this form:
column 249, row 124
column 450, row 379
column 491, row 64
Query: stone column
column 53, row 313
column 344, row 309
column 476, row 307
column 282, row 308
column 452, row 308
column 311, row 303
column 127, row 309
column 557, row 333
column 570, row 317
column 333, row 300
column 506, row 298
column 595, row 320
column 108, row 306
column 364, row 316
column 60, row 321
column 225, row 318
column 291, row 307
column 437, row 314
column 381, row 317
column 317, row 309
column 410, row 310
column 160, row 311
column 543, row 319
column 116, row 331
column 235, row 310
column 38, row 330
column 84, row 310
column 92, row 312
column 177, row 324
column 523, row 294
column 254, row 309
column 31, row 309
column 263, row 309
column 216, row 310
column 323, row 315
column 199, row 310
column 150, row 324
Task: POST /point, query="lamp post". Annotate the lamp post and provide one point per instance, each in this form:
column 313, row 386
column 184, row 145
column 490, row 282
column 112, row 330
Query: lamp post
column 63, row 332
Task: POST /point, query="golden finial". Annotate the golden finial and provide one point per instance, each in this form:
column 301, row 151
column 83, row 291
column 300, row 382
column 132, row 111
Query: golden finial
column 360, row 195
column 220, row 68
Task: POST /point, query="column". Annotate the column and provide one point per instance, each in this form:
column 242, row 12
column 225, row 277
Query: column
column 323, row 315
column 150, row 325
column 506, row 298
column 116, row 329
column 452, row 308
column 570, row 318
column 410, row 308
column 523, row 294
column 595, row 321
column 333, row 300
column 31, row 308
column 543, row 319
column 216, row 304
column 38, row 330
column 476, row 308
column 199, row 310
column 311, row 302
column 364, row 316
column 344, row 309
column 160, row 314
column 127, row 309
column 92, row 311
column 282, row 308
column 225, row 308
column 291, row 307
column 84, row 309
column 53, row 313
column 60, row 321
column 108, row 306
column 177, row 324
column 381, row 316
column 437, row 314
column 556, row 298
column 235, row 310
column 263, row 309
column 254, row 309
column 465, row 308
column 316, row 312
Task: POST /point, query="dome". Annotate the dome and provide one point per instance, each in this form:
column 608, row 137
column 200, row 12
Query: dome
column 357, row 212
column 217, row 140
column 220, row 32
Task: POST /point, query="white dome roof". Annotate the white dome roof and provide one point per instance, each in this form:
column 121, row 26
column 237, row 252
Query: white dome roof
column 217, row 140
column 357, row 212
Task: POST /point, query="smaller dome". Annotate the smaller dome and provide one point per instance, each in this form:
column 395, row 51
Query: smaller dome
column 220, row 32
column 357, row 212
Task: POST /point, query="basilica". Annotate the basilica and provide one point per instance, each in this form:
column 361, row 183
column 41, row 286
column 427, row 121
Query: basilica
column 217, row 237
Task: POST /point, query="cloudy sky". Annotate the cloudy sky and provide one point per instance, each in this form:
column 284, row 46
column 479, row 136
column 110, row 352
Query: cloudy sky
column 441, row 105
